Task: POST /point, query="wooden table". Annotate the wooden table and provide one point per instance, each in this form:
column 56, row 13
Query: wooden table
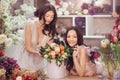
column 76, row 78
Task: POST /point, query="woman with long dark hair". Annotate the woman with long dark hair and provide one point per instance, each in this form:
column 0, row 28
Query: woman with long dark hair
column 36, row 33
column 81, row 61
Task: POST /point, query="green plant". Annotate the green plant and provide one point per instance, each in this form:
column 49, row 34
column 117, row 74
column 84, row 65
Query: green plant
column 110, row 53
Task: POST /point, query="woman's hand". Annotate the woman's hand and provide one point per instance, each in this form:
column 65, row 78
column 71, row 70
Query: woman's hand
column 76, row 51
column 38, row 54
column 90, row 73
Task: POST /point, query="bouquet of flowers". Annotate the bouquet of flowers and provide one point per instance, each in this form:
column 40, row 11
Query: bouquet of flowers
column 56, row 52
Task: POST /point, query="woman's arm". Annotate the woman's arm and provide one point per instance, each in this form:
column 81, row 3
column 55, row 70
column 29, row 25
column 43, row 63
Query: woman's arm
column 28, row 40
column 73, row 72
column 80, row 64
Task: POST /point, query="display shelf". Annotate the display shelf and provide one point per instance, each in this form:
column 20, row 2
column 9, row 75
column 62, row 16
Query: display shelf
column 89, row 23
column 95, row 26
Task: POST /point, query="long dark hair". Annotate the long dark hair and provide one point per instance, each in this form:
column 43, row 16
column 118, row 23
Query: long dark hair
column 51, row 28
column 69, row 62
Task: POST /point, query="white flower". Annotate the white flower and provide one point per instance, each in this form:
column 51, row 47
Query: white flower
column 98, row 3
column 20, row 33
column 64, row 4
column 5, row 16
column 4, row 5
column 60, row 38
column 85, row 11
column 19, row 78
column 52, row 45
column 64, row 56
column 12, row 1
column 64, row 30
column 2, row 72
column 3, row 37
column 66, row 13
column 60, row 9
column 63, row 9
column 104, row 43
column 88, row 1
column 52, row 53
column 27, row 9
column 46, row 56
column 20, row 39
column 8, row 42
column 59, row 12
column 11, row 23
column 57, row 49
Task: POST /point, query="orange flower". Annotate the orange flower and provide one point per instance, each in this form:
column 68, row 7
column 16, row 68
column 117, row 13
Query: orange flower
column 53, row 56
column 57, row 49
column 59, row 54
column 62, row 47
column 49, row 54
column 62, row 52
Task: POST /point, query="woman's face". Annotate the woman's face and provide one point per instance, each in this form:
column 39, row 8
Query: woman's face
column 72, row 38
column 49, row 16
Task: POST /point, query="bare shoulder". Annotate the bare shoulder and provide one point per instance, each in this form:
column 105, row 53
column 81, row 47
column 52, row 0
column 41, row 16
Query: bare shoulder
column 83, row 49
column 29, row 25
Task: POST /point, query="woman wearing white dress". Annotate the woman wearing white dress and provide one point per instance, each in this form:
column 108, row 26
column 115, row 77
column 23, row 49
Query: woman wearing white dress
column 80, row 63
column 36, row 33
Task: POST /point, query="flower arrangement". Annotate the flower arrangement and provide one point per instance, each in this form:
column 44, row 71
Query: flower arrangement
column 10, row 70
column 110, row 51
column 11, row 23
column 95, row 7
column 61, row 6
column 56, row 52
column 4, row 41
column 8, row 64
column 29, row 75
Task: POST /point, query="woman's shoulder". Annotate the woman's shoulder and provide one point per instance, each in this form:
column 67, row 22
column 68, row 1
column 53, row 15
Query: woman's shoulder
column 31, row 23
column 85, row 48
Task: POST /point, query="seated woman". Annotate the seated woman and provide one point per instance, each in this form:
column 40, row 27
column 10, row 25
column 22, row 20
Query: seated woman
column 80, row 62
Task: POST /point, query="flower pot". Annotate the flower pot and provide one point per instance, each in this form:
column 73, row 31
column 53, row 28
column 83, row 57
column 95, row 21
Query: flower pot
column 55, row 71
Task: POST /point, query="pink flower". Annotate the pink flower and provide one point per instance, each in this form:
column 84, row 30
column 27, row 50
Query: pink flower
column 96, row 55
column 57, row 2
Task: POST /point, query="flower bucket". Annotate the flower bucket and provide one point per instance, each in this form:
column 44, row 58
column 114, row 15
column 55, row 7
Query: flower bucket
column 54, row 71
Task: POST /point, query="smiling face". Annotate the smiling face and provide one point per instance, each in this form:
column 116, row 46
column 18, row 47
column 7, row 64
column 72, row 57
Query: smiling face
column 49, row 16
column 72, row 38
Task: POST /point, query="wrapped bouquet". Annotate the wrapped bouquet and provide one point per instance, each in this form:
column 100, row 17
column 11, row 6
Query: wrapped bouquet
column 56, row 52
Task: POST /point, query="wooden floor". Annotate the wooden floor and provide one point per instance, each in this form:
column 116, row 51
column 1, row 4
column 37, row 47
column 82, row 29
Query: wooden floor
column 76, row 78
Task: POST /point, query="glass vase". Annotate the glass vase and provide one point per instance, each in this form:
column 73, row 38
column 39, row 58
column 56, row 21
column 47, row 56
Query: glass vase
column 116, row 75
